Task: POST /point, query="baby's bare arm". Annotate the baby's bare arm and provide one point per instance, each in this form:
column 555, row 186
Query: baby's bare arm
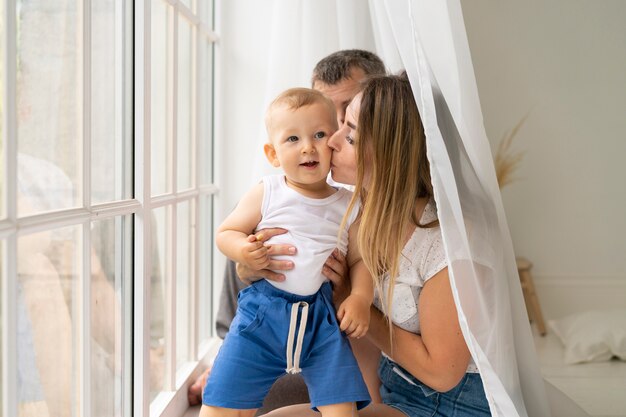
column 354, row 311
column 360, row 278
column 235, row 235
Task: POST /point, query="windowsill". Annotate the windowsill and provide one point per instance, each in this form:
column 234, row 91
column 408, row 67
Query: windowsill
column 175, row 403
column 192, row 411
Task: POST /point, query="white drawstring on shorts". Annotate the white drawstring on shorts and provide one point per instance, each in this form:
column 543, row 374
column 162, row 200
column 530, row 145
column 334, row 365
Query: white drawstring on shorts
column 293, row 357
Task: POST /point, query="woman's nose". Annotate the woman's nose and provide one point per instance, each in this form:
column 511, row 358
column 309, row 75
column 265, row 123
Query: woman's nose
column 333, row 141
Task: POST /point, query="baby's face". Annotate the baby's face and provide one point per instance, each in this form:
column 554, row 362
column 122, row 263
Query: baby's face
column 298, row 142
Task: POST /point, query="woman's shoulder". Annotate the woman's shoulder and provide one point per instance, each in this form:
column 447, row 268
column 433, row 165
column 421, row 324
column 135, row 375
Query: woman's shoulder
column 433, row 254
column 426, row 251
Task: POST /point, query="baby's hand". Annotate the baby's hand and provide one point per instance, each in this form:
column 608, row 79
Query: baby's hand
column 254, row 254
column 354, row 315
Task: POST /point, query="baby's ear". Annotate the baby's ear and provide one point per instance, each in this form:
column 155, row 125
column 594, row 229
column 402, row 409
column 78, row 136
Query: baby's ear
column 270, row 154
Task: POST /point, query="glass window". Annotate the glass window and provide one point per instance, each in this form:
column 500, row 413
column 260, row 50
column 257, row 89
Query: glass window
column 160, row 107
column 48, row 318
column 2, row 101
column 188, row 3
column 48, row 106
column 184, row 276
column 111, row 268
column 184, row 138
column 205, row 112
column 109, row 89
column 205, row 262
column 74, row 269
column 2, row 255
column 158, row 304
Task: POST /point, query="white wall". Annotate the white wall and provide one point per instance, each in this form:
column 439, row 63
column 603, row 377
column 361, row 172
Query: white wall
column 564, row 63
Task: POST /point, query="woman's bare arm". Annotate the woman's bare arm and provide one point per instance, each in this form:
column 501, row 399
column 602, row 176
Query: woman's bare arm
column 439, row 356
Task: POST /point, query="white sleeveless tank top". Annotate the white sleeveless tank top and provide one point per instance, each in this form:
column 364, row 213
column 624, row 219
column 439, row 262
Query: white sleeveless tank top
column 312, row 227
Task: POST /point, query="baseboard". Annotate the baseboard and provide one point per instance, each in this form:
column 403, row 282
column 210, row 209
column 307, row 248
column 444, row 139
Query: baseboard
column 560, row 295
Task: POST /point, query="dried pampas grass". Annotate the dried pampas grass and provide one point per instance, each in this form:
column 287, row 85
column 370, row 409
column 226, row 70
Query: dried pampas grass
column 507, row 160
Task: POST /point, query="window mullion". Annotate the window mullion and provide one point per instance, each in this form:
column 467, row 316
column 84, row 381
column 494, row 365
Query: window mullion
column 120, row 79
column 9, row 327
column 170, row 304
column 170, row 337
column 83, row 384
column 84, row 305
column 173, row 101
column 142, row 233
column 9, row 255
column 9, row 123
column 198, row 59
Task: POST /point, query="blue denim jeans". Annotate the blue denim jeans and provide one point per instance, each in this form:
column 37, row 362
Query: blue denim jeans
column 402, row 391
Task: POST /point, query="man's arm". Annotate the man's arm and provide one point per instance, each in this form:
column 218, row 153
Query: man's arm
column 227, row 308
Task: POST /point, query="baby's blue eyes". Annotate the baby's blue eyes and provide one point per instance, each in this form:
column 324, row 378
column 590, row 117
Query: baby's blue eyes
column 318, row 135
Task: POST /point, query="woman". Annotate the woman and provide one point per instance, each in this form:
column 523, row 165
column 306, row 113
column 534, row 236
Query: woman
column 426, row 367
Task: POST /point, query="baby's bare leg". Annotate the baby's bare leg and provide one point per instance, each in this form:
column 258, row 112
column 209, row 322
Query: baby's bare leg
column 210, row 411
column 338, row 410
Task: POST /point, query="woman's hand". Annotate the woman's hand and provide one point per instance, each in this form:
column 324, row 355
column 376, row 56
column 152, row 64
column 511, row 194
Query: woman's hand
column 337, row 271
column 249, row 275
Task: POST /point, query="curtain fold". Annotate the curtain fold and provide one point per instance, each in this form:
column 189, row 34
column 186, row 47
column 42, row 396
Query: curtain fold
column 431, row 39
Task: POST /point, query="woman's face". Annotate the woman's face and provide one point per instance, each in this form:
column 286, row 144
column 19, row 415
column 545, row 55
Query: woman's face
column 343, row 161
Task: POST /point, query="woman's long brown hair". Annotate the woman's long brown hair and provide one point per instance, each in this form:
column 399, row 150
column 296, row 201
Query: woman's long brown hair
column 391, row 159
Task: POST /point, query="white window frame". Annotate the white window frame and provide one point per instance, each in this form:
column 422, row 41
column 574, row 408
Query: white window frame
column 173, row 401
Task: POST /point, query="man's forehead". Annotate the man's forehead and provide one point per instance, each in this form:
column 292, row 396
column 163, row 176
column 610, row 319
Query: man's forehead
column 341, row 93
column 345, row 85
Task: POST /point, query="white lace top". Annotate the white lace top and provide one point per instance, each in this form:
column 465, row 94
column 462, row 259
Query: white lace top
column 422, row 257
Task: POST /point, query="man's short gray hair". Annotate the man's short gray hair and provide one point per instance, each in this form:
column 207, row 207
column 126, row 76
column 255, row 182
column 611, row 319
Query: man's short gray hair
column 337, row 66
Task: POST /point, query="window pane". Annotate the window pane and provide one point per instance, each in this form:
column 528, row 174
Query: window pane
column 160, row 265
column 160, row 111
column 186, row 3
column 48, row 265
column 205, row 10
column 110, row 310
column 205, row 273
column 205, row 113
column 1, row 309
column 2, row 179
column 48, row 106
column 185, row 106
column 184, row 271
column 109, row 81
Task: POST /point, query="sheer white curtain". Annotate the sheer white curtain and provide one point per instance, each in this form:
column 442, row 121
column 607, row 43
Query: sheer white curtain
column 431, row 40
column 428, row 39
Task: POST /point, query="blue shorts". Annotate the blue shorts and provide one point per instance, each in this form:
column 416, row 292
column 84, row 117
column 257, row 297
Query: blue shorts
column 254, row 352
column 401, row 390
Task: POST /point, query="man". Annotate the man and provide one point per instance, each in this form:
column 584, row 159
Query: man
column 338, row 76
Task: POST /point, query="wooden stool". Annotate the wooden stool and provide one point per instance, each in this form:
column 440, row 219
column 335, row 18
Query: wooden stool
column 530, row 296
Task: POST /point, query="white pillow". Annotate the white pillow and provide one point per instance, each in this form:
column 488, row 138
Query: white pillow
column 592, row 336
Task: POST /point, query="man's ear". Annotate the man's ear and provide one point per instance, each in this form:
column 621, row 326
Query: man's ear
column 270, row 154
